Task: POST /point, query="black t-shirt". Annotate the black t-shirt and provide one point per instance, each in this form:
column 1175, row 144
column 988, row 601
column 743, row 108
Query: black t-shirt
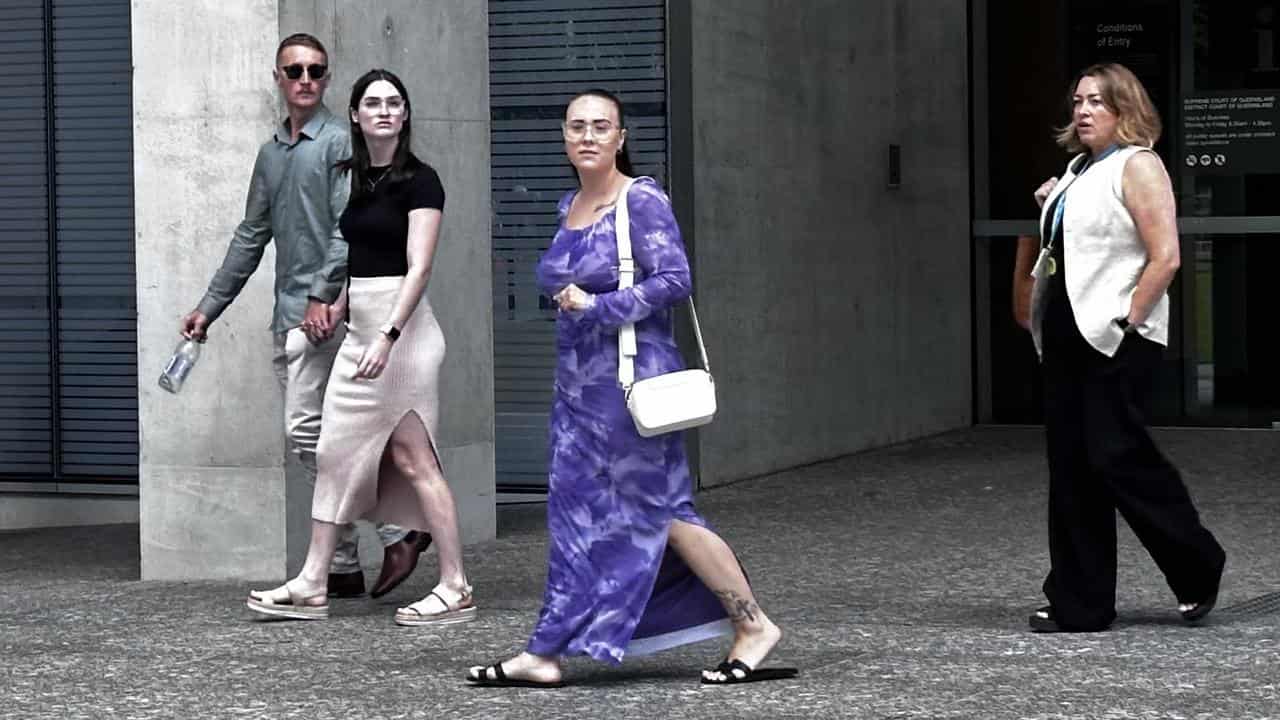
column 1057, row 253
column 376, row 226
column 1057, row 312
column 1058, row 300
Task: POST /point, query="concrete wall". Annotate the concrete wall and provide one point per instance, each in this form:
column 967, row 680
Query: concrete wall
column 836, row 310
column 21, row 512
column 212, row 491
column 442, row 55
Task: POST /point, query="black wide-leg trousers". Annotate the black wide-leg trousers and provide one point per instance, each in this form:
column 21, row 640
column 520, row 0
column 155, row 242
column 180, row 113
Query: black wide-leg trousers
column 1102, row 459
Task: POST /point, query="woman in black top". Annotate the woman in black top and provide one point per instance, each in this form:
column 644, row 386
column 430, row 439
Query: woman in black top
column 377, row 456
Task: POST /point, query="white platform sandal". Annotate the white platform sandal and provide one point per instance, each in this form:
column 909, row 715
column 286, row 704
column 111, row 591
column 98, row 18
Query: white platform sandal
column 460, row 611
column 293, row 607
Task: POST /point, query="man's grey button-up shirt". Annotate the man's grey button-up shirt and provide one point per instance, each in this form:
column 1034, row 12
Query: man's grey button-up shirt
column 296, row 197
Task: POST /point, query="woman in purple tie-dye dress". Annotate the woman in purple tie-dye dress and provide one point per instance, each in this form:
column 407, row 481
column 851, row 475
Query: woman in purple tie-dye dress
column 633, row 568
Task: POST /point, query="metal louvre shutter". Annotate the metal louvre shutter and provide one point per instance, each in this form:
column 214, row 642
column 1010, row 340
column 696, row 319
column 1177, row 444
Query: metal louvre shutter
column 68, row 388
column 26, row 420
column 541, row 53
column 97, row 321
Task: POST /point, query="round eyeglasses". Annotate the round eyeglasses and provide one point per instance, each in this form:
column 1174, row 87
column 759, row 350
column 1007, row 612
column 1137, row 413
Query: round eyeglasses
column 598, row 129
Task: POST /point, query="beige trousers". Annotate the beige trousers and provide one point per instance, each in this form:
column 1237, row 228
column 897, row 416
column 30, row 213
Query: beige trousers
column 303, row 371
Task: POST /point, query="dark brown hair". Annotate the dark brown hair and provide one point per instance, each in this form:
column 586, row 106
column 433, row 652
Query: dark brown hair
column 623, row 158
column 404, row 164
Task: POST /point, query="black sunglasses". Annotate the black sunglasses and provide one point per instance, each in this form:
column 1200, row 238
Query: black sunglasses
column 315, row 72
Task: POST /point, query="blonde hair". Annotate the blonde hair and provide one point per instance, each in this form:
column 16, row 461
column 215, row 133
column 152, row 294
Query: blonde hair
column 1137, row 122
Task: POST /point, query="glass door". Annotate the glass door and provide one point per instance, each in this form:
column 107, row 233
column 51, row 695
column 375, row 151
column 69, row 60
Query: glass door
column 1213, row 70
column 1228, row 168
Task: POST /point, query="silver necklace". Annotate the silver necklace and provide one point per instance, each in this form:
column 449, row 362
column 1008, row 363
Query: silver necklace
column 374, row 183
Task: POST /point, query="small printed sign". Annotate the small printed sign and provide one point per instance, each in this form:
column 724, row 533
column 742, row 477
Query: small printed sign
column 1231, row 132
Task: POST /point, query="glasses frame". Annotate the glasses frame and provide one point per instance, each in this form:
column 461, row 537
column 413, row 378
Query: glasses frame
column 589, row 128
column 314, row 71
column 378, row 105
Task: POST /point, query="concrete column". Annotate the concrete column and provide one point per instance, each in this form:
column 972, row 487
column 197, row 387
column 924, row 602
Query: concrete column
column 212, row 491
column 442, row 55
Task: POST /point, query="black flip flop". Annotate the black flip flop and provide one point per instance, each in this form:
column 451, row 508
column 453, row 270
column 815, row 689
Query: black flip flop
column 728, row 668
column 500, row 679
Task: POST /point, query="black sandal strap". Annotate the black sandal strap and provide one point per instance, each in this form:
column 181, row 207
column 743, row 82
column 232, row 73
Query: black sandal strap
column 738, row 665
column 498, row 674
column 725, row 668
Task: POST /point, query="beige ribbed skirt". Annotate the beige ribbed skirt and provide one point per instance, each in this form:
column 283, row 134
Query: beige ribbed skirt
column 360, row 415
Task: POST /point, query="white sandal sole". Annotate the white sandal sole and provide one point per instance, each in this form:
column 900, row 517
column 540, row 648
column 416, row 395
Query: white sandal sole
column 291, row 612
column 451, row 617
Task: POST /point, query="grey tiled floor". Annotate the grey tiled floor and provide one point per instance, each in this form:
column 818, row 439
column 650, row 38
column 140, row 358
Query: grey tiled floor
column 903, row 578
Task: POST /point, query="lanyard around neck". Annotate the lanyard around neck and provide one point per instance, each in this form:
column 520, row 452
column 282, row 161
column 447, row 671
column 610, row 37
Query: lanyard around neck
column 1061, row 207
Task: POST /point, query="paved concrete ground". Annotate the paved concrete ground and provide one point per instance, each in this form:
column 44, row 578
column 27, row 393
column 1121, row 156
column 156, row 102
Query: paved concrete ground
column 903, row 578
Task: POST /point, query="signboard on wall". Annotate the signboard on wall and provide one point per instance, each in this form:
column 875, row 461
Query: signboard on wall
column 1138, row 38
column 1231, row 132
column 1136, row 35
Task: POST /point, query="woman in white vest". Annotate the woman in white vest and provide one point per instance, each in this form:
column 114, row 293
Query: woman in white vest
column 1100, row 321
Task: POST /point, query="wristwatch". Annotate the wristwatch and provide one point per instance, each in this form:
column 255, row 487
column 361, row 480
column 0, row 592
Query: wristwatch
column 391, row 331
column 1126, row 326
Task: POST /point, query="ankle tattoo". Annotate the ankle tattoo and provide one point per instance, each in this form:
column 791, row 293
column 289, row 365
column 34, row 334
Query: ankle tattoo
column 739, row 608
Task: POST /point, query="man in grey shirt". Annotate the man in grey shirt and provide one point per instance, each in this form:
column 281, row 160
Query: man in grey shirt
column 296, row 197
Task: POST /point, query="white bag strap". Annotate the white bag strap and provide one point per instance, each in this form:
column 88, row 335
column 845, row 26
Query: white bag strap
column 626, row 278
column 697, row 333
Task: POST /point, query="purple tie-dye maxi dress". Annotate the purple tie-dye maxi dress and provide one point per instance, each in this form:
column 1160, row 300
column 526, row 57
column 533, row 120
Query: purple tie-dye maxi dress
column 612, row 589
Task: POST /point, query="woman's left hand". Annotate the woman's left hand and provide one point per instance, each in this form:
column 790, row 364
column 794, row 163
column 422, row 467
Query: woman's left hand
column 1043, row 192
column 374, row 359
column 573, row 299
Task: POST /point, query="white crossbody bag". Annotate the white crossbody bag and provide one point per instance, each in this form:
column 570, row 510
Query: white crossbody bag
column 663, row 403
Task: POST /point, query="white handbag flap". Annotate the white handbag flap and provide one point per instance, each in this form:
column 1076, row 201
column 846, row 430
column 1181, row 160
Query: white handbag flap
column 671, row 402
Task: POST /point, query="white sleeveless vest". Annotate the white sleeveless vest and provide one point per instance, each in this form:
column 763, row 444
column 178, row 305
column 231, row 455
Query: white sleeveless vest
column 1104, row 256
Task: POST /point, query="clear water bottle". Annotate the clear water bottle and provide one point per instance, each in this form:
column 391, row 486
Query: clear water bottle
column 180, row 365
